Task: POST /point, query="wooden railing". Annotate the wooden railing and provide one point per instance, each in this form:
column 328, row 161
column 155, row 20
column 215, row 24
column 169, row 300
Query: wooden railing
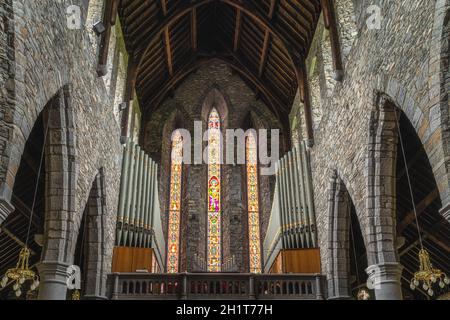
column 230, row 286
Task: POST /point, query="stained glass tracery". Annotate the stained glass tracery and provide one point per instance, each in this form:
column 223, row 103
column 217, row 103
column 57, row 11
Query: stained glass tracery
column 173, row 242
column 214, row 185
column 253, row 205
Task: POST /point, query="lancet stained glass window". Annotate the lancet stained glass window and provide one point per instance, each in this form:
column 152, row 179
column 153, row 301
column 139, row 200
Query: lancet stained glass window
column 214, row 184
column 173, row 242
column 253, row 204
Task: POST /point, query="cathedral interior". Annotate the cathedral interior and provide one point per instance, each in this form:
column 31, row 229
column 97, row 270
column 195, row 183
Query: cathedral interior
column 123, row 123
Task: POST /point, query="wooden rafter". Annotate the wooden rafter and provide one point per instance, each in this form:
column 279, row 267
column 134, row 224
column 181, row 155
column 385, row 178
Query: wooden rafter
column 331, row 24
column 305, row 98
column 108, row 21
column 166, row 41
column 237, row 29
column 194, row 41
column 265, row 47
column 267, row 44
column 420, row 208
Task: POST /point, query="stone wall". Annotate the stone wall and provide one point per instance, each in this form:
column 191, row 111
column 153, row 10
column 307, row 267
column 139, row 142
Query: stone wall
column 43, row 56
column 211, row 85
column 404, row 60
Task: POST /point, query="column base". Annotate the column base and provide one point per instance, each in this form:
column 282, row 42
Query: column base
column 53, row 278
column 385, row 279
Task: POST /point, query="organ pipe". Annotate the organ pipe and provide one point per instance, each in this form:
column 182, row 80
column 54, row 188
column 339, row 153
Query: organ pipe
column 294, row 207
column 138, row 217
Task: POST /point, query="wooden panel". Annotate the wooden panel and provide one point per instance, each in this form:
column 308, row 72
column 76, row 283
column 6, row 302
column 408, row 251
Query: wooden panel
column 297, row 261
column 127, row 259
column 277, row 266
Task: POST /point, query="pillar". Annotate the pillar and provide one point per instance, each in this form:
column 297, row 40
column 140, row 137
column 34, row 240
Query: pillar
column 53, row 280
column 385, row 279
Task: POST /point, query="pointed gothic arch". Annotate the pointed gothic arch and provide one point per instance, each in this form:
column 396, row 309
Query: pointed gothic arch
column 343, row 230
column 90, row 251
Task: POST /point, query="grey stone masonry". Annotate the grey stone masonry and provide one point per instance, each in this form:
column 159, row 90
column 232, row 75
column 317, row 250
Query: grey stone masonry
column 46, row 63
column 406, row 62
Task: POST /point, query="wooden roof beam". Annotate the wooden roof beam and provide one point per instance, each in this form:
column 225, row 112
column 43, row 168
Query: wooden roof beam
column 168, row 50
column 166, row 41
column 305, row 98
column 110, row 10
column 194, row 34
column 265, row 47
column 331, row 24
column 237, row 29
column 129, row 90
column 420, row 208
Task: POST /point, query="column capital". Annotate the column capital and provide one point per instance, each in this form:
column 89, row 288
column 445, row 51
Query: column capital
column 385, row 279
column 53, row 277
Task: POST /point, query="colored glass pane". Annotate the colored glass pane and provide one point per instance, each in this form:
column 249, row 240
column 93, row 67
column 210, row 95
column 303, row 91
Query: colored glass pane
column 214, row 231
column 173, row 241
column 253, row 205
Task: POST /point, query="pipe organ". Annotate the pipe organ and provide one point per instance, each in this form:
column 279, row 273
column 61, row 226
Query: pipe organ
column 139, row 216
column 292, row 226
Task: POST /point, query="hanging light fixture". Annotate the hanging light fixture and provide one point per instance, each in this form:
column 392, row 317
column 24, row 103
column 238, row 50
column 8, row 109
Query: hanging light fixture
column 22, row 272
column 427, row 276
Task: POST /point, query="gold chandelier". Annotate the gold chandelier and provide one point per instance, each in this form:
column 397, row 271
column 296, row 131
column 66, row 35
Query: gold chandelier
column 427, row 275
column 363, row 294
column 21, row 273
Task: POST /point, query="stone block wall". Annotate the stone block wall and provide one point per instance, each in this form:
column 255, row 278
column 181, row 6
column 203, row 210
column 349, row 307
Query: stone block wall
column 39, row 56
column 407, row 61
column 211, row 85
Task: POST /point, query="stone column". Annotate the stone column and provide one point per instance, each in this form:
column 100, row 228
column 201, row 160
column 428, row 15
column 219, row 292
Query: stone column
column 385, row 279
column 53, row 280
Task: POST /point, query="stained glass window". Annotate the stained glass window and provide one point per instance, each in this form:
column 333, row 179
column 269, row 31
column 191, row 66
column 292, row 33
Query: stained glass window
column 253, row 205
column 214, row 231
column 173, row 242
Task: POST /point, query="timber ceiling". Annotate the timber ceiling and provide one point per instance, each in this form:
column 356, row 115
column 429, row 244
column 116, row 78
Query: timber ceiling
column 260, row 40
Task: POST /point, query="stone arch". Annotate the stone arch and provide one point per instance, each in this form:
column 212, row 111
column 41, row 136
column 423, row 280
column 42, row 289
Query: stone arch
column 60, row 207
column 90, row 250
column 384, row 268
column 429, row 124
column 381, row 165
column 21, row 105
column 340, row 205
column 439, row 88
column 215, row 97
